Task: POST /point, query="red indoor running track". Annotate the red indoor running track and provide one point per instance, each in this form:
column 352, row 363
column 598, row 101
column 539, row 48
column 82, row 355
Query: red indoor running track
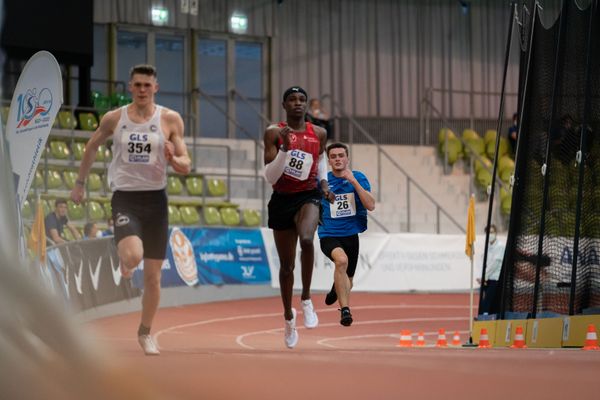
column 235, row 350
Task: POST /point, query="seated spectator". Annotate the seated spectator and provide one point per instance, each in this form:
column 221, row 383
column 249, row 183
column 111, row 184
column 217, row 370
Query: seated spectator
column 110, row 231
column 57, row 220
column 318, row 116
column 90, row 231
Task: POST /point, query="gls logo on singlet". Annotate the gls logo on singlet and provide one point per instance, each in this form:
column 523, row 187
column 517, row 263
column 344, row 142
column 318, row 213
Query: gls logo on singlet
column 298, row 164
column 139, row 147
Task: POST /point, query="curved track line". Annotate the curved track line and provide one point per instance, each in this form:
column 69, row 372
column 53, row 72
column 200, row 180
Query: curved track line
column 158, row 334
column 240, row 338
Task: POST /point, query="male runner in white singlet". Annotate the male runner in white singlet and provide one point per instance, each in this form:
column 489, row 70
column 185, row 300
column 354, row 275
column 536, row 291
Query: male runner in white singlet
column 146, row 139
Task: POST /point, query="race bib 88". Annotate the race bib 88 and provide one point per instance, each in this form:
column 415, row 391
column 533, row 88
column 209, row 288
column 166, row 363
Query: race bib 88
column 139, row 148
column 298, row 164
column 343, row 206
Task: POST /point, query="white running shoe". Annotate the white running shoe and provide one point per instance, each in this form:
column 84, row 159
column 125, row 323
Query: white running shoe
column 310, row 316
column 148, row 345
column 291, row 334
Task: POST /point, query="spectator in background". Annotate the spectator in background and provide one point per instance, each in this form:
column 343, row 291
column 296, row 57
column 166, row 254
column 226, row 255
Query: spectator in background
column 90, row 230
column 512, row 134
column 110, row 230
column 318, row 116
column 56, row 222
column 492, row 271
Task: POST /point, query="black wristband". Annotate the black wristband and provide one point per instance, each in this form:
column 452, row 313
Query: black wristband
column 79, row 182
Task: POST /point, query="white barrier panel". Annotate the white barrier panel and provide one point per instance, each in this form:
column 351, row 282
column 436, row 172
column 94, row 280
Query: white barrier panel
column 394, row 263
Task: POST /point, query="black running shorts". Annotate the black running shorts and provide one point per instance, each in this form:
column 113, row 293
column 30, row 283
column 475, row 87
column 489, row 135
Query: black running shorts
column 145, row 215
column 284, row 206
column 347, row 243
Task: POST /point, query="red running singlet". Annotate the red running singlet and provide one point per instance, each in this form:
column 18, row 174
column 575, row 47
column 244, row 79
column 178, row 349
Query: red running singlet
column 301, row 163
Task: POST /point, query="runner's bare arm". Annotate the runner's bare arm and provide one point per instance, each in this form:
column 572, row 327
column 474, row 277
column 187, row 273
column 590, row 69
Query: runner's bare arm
column 104, row 131
column 175, row 148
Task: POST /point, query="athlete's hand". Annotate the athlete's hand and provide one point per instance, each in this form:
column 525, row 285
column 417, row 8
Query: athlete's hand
column 285, row 136
column 77, row 194
column 169, row 150
column 347, row 175
column 329, row 196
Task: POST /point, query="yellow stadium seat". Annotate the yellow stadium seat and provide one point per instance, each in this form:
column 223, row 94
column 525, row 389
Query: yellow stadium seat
column 251, row 217
column 66, row 120
column 174, row 185
column 193, row 185
column 75, row 211
column 230, row 216
column 189, row 215
column 95, row 211
column 216, row 187
column 77, row 148
column 211, row 215
column 69, row 178
column 87, row 121
column 174, row 215
column 59, row 150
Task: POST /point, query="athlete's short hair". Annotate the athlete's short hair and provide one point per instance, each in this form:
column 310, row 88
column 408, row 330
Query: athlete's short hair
column 337, row 146
column 144, row 69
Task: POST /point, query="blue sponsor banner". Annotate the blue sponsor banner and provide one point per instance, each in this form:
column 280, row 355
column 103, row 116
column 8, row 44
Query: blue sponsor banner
column 221, row 255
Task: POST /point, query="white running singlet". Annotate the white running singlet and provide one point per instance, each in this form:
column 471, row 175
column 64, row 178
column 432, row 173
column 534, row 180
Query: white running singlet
column 138, row 155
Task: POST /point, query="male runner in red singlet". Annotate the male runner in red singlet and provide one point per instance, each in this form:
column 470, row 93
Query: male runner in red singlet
column 146, row 139
column 295, row 164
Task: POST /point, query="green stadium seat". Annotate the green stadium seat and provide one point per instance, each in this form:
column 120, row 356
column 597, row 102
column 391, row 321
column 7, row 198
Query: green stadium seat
column 477, row 144
column 69, row 178
column 27, row 211
column 101, row 153
column 94, row 182
column 174, row 185
column 189, row 215
column 211, row 215
column 75, row 211
column 251, row 217
column 442, row 135
column 193, row 185
column 54, row 179
column 66, row 119
column 67, row 235
column 174, row 215
column 454, row 147
column 78, row 148
column 483, row 178
column 4, row 114
column 107, row 209
column 503, row 148
column 59, row 150
column 490, row 136
column 505, row 205
column 95, row 211
column 38, row 181
column 102, row 104
column 479, row 165
column 88, row 121
column 230, row 216
column 119, row 99
column 470, row 134
column 216, row 187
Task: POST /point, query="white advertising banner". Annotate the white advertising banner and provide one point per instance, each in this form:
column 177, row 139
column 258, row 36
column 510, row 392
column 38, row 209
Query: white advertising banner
column 35, row 103
column 394, row 263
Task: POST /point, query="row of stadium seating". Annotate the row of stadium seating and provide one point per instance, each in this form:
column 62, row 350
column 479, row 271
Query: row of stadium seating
column 60, row 179
column 59, row 150
column 485, row 148
column 216, row 214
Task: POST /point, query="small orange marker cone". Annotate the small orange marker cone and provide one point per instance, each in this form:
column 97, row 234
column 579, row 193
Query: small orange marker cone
column 405, row 339
column 519, row 342
column 591, row 339
column 441, row 342
column 456, row 339
column 420, row 340
column 484, row 340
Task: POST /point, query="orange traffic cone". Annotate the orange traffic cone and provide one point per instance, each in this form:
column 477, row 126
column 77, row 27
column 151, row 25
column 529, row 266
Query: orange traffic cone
column 441, row 342
column 456, row 339
column 405, row 339
column 591, row 339
column 420, row 340
column 519, row 342
column 484, row 340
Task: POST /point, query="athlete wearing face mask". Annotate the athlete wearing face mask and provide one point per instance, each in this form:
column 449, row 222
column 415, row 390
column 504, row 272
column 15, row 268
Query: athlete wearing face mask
column 492, row 271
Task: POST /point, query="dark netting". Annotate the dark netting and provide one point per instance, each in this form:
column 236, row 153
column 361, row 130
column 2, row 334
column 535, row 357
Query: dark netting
column 551, row 133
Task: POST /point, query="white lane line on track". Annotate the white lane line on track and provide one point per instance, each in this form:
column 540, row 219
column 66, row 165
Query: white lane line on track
column 173, row 328
column 323, row 342
column 240, row 338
